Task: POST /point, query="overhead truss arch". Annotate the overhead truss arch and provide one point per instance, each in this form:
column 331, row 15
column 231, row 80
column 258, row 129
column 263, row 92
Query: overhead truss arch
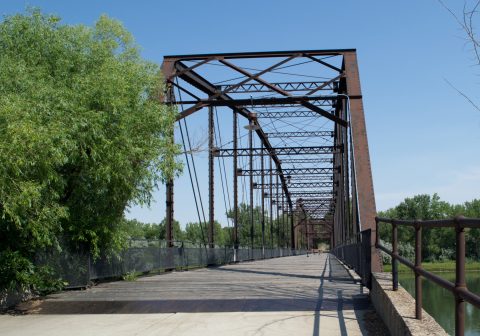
column 305, row 108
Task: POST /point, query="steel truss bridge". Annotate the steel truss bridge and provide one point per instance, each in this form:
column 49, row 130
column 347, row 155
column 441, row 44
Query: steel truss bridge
column 306, row 158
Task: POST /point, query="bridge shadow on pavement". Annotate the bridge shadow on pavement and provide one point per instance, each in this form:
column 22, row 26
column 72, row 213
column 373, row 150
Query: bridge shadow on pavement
column 283, row 284
column 317, row 289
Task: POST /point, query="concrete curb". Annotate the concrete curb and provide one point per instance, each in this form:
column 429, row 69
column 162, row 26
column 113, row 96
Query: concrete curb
column 397, row 309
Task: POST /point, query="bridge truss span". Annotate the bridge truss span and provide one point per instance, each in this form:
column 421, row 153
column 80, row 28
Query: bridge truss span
column 294, row 139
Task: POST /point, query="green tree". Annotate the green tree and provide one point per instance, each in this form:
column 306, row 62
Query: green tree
column 196, row 233
column 277, row 233
column 178, row 234
column 83, row 135
column 472, row 210
column 423, row 207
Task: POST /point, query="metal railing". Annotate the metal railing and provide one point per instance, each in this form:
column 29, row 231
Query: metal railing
column 357, row 255
column 459, row 288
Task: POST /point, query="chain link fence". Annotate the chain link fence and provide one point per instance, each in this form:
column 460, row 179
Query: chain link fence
column 79, row 269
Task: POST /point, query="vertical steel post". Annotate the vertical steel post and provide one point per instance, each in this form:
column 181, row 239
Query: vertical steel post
column 263, row 201
column 250, row 144
column 418, row 265
column 278, row 212
column 307, row 224
column 346, row 184
column 169, row 185
column 460, row 282
column 363, row 171
column 394, row 257
column 283, row 220
column 169, row 218
column 292, row 229
column 211, row 188
column 271, row 204
column 235, row 187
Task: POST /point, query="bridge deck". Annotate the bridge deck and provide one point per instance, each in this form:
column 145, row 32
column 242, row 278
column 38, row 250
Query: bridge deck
column 299, row 295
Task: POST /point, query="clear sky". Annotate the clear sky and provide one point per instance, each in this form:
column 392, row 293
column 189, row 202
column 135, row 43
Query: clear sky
column 423, row 136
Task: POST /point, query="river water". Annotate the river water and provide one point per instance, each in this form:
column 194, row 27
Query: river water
column 439, row 302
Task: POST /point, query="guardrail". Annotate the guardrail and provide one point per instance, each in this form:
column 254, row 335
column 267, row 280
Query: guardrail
column 356, row 254
column 459, row 288
column 78, row 268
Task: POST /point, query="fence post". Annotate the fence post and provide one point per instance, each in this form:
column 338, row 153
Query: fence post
column 418, row 266
column 367, row 252
column 394, row 256
column 89, row 268
column 459, row 277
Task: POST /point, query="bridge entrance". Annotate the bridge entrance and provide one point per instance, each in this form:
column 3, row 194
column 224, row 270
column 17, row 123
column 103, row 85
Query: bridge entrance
column 288, row 134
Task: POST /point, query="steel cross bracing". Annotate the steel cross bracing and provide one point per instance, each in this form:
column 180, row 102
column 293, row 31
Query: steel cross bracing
column 288, row 171
column 306, row 185
column 317, row 177
column 300, row 134
column 287, row 86
column 308, row 160
column 307, row 140
column 228, row 152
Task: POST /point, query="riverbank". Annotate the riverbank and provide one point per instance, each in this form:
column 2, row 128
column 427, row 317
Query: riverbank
column 440, row 266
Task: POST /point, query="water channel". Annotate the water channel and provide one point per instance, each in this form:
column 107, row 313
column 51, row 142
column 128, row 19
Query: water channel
column 439, row 302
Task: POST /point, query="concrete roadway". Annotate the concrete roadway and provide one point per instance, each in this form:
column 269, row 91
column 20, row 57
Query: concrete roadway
column 298, row 295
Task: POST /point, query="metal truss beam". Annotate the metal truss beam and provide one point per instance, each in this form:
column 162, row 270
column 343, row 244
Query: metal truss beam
column 311, row 178
column 310, row 102
column 303, row 185
column 287, row 114
column 313, row 200
column 308, row 160
column 297, row 195
column 316, row 206
column 300, row 134
column 227, row 152
column 311, row 193
column 286, row 86
column 264, row 54
column 287, row 171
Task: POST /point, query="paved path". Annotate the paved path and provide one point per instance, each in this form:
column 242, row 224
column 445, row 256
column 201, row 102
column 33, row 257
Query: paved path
column 298, row 295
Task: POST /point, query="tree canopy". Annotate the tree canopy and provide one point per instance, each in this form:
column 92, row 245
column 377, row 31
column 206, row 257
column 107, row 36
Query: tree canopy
column 83, row 134
column 438, row 243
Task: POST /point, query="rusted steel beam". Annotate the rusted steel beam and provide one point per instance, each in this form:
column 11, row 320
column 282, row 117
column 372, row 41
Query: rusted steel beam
column 227, row 152
column 211, row 186
column 363, row 170
column 323, row 177
column 300, row 134
column 287, row 86
column 262, row 168
column 287, row 114
column 311, row 193
column 310, row 56
column 235, row 185
column 169, row 96
column 303, row 185
column 288, row 171
column 308, row 160
column 313, row 103
column 315, row 200
column 263, row 54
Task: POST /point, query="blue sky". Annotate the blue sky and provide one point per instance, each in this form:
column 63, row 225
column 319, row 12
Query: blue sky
column 423, row 136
